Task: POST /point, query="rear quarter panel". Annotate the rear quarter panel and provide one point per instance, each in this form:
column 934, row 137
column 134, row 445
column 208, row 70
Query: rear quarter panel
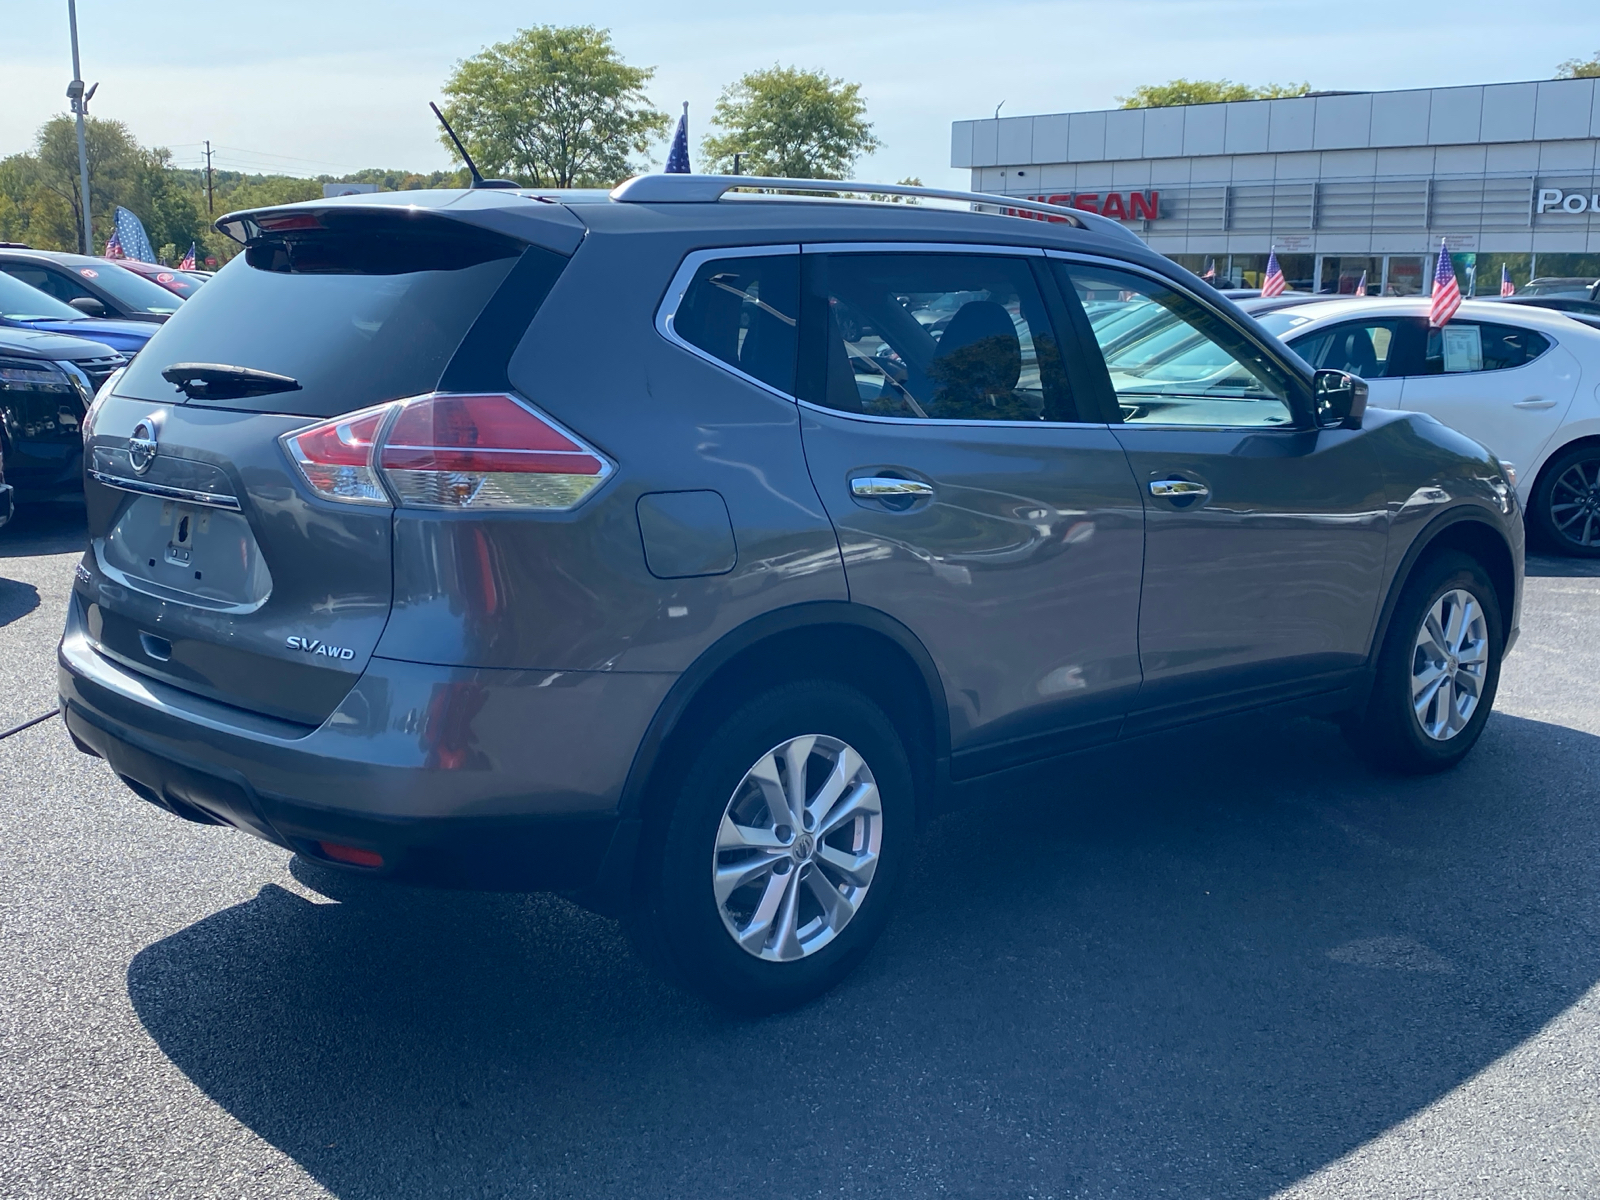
column 572, row 591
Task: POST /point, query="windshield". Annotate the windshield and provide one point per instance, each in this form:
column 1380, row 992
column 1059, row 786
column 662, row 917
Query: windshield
column 134, row 291
column 1280, row 323
column 19, row 302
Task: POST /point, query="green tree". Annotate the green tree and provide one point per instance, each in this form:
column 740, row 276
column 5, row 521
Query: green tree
column 1207, row 91
column 1580, row 68
column 45, row 208
column 555, row 107
column 788, row 122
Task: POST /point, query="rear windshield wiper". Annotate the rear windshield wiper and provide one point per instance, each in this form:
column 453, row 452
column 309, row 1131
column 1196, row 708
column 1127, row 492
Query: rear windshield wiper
column 218, row 381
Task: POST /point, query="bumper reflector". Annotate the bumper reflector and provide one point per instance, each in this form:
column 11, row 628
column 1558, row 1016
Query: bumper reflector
column 353, row 855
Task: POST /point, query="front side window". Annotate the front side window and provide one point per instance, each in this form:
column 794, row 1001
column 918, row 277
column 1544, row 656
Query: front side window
column 1173, row 361
column 745, row 311
column 51, row 283
column 952, row 337
column 1466, row 346
column 1364, row 348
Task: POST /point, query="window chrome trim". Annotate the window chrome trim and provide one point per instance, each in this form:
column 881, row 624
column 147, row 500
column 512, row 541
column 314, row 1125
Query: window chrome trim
column 679, row 287
column 950, row 421
column 920, row 248
column 1301, row 424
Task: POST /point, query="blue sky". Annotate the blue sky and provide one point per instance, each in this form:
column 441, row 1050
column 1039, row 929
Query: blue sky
column 336, row 85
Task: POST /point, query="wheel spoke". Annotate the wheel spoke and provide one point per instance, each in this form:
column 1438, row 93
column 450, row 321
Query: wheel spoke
column 733, row 836
column 1453, row 714
column 1426, row 695
column 1453, row 623
column 765, row 774
column 1426, row 677
column 856, row 869
column 844, row 770
column 784, row 942
column 837, row 908
column 754, row 935
column 1469, row 617
column 1467, row 683
column 730, row 878
column 862, row 801
column 795, row 755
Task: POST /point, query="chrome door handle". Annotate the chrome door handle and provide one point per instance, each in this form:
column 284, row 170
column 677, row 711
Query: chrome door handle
column 875, row 486
column 1174, row 489
column 1534, row 402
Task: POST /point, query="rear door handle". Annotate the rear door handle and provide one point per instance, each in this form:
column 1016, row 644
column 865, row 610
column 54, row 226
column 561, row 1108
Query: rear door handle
column 1534, row 402
column 875, row 487
column 1179, row 489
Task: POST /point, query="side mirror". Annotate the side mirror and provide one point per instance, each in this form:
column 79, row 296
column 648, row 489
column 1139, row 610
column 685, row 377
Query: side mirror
column 1340, row 399
column 88, row 306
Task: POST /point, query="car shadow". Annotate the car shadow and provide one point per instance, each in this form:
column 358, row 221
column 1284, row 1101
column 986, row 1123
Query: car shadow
column 17, row 599
column 1558, row 567
column 1204, row 965
column 55, row 528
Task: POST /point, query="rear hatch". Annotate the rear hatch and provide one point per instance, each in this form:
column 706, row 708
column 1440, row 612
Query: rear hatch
column 216, row 568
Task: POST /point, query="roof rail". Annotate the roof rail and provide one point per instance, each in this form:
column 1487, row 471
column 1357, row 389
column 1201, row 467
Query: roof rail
column 703, row 189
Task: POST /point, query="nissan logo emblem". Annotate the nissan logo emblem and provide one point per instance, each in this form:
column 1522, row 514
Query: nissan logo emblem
column 142, row 445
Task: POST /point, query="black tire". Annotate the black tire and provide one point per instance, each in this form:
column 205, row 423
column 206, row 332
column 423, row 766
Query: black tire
column 679, row 926
column 1389, row 734
column 1571, row 477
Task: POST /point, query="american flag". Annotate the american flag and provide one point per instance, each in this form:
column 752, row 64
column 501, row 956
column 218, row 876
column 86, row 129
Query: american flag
column 114, row 245
column 1507, row 288
column 678, row 156
column 187, row 262
column 1210, row 275
column 1446, row 292
column 1361, row 285
column 1273, row 284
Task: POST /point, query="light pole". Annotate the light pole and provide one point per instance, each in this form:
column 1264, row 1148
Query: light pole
column 80, row 107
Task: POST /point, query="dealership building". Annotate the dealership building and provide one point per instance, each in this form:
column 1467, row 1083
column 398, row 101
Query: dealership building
column 1336, row 183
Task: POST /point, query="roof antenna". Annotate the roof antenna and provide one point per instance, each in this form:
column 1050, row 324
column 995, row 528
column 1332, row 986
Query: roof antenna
column 478, row 181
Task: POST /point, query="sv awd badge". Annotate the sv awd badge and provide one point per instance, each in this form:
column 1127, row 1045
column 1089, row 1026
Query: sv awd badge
column 312, row 646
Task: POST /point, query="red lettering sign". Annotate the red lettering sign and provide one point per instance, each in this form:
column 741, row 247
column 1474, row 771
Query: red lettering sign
column 1119, row 206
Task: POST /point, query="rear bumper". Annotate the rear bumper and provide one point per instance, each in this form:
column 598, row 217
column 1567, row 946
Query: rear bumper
column 503, row 780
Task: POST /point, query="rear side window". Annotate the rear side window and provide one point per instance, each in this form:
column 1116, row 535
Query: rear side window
column 946, row 336
column 357, row 316
column 1364, row 348
column 744, row 311
column 1466, row 346
column 131, row 290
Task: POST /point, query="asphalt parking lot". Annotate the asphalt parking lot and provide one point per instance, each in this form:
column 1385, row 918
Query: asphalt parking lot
column 1231, row 963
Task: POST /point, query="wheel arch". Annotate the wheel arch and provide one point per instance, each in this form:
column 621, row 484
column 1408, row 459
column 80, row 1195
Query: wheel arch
column 1550, row 456
column 1468, row 531
column 850, row 643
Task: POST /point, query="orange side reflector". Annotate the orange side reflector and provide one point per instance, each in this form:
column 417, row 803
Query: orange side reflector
column 353, row 855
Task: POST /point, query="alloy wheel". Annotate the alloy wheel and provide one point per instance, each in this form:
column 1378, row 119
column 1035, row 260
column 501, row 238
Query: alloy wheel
column 797, row 847
column 1449, row 664
column 1575, row 503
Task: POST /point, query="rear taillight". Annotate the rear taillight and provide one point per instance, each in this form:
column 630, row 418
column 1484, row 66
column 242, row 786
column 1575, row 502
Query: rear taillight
column 336, row 456
column 448, row 451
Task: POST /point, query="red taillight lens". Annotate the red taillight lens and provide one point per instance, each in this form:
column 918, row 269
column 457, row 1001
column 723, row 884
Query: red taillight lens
column 336, row 456
column 450, row 451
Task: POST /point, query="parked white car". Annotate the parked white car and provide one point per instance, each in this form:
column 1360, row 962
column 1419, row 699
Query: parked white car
column 1523, row 381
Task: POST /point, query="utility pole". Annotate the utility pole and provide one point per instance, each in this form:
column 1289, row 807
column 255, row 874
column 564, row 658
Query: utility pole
column 80, row 107
column 209, row 208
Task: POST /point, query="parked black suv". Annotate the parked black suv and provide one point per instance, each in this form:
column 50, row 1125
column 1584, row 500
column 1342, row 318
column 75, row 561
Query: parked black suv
column 685, row 550
column 46, row 383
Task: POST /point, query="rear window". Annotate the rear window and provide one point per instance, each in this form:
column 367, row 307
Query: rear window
column 131, row 289
column 358, row 315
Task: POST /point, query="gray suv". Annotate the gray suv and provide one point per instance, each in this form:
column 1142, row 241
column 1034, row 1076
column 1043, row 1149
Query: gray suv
column 684, row 549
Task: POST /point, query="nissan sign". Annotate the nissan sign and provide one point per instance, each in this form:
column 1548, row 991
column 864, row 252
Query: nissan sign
column 1119, row 206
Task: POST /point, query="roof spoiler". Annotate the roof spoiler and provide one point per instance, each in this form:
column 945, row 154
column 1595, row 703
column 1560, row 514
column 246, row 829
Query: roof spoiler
column 704, row 189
